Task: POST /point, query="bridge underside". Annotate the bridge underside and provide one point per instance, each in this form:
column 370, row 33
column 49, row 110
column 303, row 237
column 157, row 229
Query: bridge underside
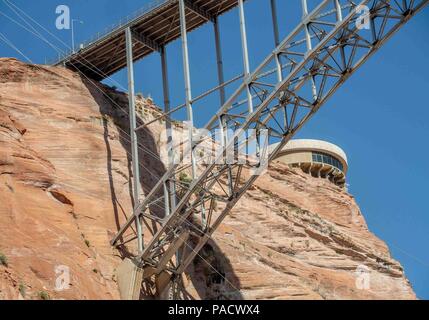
column 151, row 31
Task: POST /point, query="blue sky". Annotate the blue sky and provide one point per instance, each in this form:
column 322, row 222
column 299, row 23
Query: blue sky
column 379, row 117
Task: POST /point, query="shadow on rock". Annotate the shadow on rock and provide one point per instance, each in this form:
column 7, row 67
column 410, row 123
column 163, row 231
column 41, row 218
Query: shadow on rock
column 211, row 272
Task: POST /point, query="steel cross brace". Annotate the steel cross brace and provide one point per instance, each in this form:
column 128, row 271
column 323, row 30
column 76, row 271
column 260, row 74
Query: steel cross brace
column 198, row 10
column 155, row 46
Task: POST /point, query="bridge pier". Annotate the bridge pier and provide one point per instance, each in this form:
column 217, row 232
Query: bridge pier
column 188, row 94
column 187, row 76
column 277, row 54
column 219, row 58
column 275, row 22
column 170, row 188
column 245, row 53
column 133, row 134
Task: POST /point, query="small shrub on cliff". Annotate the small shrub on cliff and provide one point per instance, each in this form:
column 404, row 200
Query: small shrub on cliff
column 177, row 123
column 3, row 260
column 185, row 179
column 86, row 241
column 215, row 204
column 43, row 295
column 22, row 289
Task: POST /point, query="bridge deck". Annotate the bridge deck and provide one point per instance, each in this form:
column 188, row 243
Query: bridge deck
column 155, row 28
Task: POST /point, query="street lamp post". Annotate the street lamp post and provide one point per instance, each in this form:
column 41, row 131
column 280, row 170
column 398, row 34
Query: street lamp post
column 72, row 31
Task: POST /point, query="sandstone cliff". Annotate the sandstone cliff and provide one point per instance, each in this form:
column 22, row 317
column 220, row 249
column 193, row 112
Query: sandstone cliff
column 65, row 189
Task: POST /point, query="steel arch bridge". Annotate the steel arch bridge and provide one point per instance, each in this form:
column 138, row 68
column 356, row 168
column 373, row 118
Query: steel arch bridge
column 275, row 100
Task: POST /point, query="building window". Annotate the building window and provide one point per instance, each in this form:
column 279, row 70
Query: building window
column 327, row 159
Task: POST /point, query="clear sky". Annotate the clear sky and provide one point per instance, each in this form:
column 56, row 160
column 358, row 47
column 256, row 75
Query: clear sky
column 379, row 117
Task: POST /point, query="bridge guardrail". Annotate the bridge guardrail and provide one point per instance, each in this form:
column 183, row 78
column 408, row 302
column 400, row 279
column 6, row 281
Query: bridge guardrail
column 108, row 30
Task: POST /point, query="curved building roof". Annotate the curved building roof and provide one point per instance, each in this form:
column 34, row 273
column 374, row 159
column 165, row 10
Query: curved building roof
column 302, row 145
column 315, row 145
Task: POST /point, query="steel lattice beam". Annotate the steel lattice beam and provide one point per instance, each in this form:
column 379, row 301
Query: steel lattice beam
column 309, row 65
column 198, row 10
column 155, row 46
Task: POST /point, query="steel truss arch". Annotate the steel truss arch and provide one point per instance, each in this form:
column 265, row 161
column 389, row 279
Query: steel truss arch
column 288, row 88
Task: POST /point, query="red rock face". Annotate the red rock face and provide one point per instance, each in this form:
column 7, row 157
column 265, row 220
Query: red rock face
column 65, row 189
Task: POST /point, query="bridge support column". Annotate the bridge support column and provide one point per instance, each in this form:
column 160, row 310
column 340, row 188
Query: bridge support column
column 275, row 22
column 188, row 93
column 339, row 11
column 133, row 134
column 276, row 39
column 245, row 52
column 277, row 56
column 170, row 194
column 221, row 80
column 187, row 76
column 219, row 58
column 309, row 44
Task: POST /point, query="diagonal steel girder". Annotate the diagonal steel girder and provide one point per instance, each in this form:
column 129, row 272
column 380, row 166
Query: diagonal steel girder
column 308, row 73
